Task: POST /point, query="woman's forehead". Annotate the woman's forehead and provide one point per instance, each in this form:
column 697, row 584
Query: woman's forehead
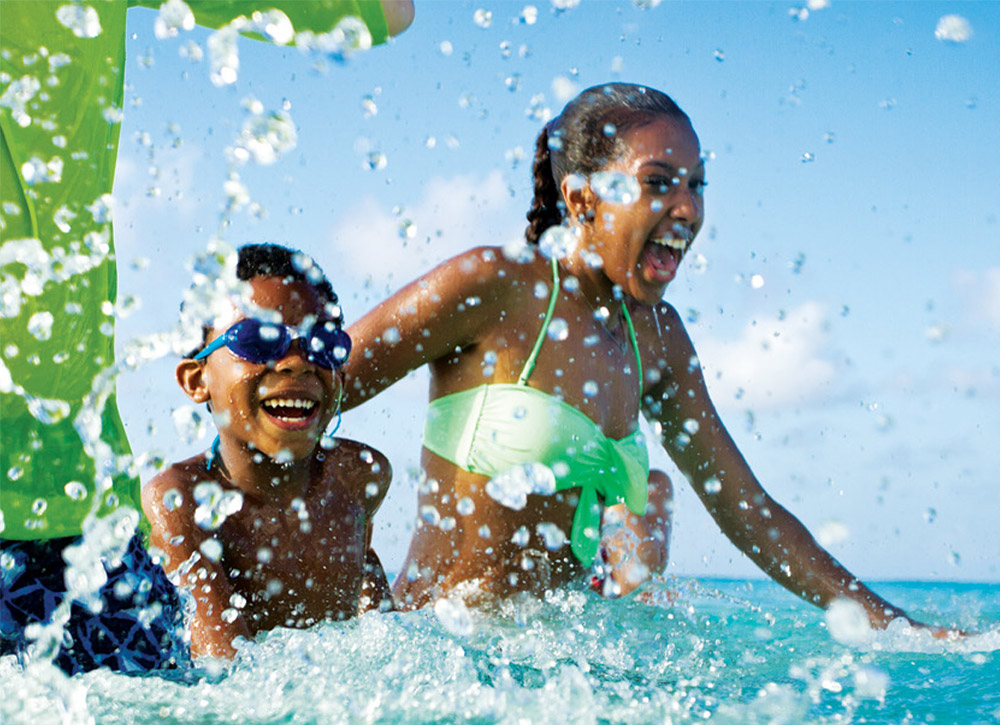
column 292, row 299
column 667, row 138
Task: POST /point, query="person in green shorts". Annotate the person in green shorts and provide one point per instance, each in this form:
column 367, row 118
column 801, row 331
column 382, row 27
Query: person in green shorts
column 61, row 91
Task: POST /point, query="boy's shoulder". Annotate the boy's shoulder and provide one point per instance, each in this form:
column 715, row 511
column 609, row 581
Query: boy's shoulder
column 358, row 469
column 182, row 476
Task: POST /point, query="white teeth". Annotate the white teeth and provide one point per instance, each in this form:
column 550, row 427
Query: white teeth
column 672, row 242
column 289, row 403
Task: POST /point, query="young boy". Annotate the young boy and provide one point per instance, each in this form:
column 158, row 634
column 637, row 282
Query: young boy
column 272, row 526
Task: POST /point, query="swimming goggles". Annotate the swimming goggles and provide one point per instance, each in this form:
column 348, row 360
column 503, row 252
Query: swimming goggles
column 325, row 344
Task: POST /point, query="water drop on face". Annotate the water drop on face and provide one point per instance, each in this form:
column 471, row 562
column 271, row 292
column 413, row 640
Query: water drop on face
column 615, row 187
column 558, row 329
column 610, row 130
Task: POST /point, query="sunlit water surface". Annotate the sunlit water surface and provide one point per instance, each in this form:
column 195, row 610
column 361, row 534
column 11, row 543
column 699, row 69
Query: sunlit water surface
column 728, row 651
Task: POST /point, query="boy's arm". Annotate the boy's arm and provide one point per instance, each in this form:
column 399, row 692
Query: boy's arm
column 366, row 473
column 175, row 534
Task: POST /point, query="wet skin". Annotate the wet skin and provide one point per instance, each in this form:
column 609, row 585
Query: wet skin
column 299, row 549
column 439, row 328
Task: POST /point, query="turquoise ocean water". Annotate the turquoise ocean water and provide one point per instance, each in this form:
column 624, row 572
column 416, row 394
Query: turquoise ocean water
column 718, row 650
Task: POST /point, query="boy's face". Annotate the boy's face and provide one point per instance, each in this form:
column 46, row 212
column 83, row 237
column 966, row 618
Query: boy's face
column 279, row 408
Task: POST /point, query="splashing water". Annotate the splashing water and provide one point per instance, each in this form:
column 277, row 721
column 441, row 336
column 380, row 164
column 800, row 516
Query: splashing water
column 82, row 19
column 684, row 652
column 615, row 187
column 512, row 487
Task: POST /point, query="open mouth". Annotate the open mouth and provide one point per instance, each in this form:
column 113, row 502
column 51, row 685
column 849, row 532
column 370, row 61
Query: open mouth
column 662, row 256
column 291, row 412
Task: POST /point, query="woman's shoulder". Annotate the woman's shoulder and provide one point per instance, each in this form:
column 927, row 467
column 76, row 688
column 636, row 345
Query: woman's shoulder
column 491, row 274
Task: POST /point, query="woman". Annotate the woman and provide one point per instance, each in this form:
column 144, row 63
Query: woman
column 548, row 358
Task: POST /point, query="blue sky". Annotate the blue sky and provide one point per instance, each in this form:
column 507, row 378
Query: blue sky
column 844, row 294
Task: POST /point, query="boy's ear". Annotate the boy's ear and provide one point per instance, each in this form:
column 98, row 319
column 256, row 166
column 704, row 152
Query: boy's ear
column 580, row 198
column 191, row 378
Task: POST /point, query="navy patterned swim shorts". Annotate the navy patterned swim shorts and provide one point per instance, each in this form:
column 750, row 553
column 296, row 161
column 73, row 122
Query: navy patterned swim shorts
column 140, row 625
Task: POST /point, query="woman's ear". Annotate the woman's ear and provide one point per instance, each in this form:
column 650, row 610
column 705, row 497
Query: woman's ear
column 191, row 378
column 580, row 198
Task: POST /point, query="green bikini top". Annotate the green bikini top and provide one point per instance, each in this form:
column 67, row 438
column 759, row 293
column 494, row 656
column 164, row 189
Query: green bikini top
column 495, row 427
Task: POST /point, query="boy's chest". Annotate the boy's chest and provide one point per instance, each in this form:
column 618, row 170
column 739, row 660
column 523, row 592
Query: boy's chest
column 302, row 562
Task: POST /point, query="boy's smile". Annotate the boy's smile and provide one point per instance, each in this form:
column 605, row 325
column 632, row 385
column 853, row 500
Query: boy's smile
column 281, row 407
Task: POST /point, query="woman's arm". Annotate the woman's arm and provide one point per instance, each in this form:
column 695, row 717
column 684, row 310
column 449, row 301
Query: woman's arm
column 442, row 313
column 758, row 525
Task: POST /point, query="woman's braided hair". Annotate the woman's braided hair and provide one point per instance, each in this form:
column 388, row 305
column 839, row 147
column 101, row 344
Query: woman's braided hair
column 586, row 137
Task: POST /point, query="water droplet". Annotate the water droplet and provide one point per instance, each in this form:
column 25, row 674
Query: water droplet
column 14, row 473
column 691, row 426
column 756, row 281
column 590, row 388
column 953, row 29
column 807, row 157
column 445, row 48
column 558, row 329
column 83, row 20
column 391, row 335
column 38, row 171
column 237, row 601
column 483, row 18
column 511, row 488
column 454, row 616
column 376, row 161
column 610, row 130
column 529, row 16
column 465, row 506
column 174, row 16
column 615, row 187
column 214, row 505
column 930, row 515
column 40, row 325
column 264, row 555
column 229, row 614
column 172, row 499
column 430, row 515
column 520, row 412
column 591, row 340
column 368, row 106
column 189, row 424
column 38, row 506
column 75, row 490
column 554, row 537
column 212, row 549
column 521, row 537
column 557, row 242
column 719, row 55
column 713, row 485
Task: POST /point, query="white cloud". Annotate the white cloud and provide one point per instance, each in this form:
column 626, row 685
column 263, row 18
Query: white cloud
column 774, row 363
column 453, row 215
